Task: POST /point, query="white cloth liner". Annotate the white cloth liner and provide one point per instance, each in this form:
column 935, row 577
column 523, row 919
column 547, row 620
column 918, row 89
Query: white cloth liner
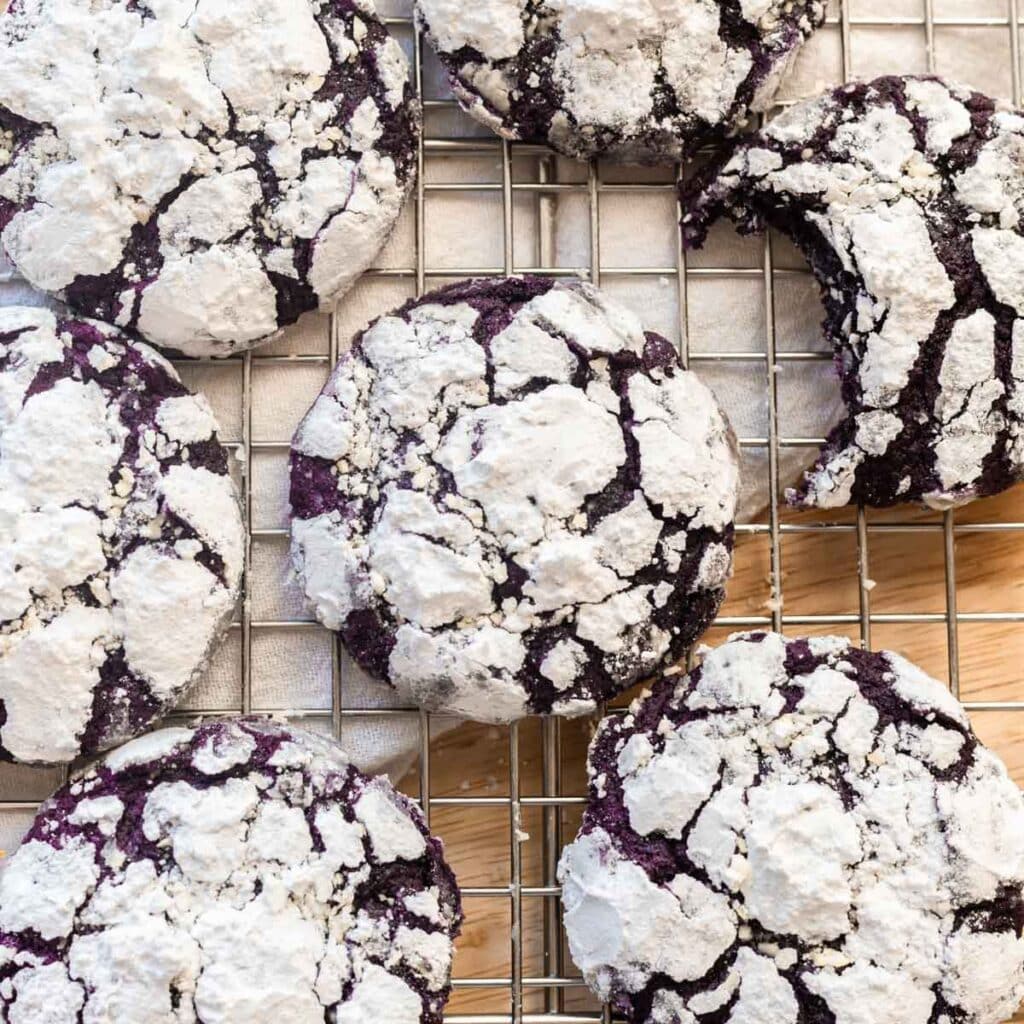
column 292, row 669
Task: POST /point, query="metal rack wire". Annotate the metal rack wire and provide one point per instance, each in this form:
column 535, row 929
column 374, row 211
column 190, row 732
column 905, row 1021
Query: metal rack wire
column 554, row 981
column 557, row 979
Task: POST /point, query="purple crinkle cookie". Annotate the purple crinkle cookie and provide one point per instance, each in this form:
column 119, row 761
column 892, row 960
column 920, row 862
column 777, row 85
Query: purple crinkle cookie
column 121, row 537
column 510, row 499
column 200, row 172
column 238, row 871
column 637, row 80
column 798, row 832
column 906, row 195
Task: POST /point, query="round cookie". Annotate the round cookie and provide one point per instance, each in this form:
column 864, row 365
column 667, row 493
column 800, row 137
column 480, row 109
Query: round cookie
column 121, row 536
column 905, row 194
column 241, row 870
column 510, row 499
column 204, row 172
column 798, row 831
column 642, row 80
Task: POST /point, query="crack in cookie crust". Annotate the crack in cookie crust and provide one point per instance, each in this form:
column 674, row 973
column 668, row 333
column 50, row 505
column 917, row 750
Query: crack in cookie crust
column 510, row 499
column 641, row 80
column 200, row 171
column 121, row 536
column 240, row 870
column 905, row 194
column 798, row 832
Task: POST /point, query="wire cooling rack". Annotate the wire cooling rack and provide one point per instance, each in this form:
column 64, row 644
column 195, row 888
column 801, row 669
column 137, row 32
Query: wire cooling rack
column 530, row 774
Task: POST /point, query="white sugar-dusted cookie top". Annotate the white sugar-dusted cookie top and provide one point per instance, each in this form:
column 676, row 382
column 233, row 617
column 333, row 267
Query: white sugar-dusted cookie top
column 510, row 499
column 797, row 830
column 640, row 80
column 205, row 172
column 906, row 195
column 241, row 869
column 121, row 539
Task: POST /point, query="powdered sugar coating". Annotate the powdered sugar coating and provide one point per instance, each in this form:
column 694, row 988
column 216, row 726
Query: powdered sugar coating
column 643, row 80
column 906, row 196
column 121, row 537
column 200, row 172
column 241, row 870
column 798, row 831
column 510, row 499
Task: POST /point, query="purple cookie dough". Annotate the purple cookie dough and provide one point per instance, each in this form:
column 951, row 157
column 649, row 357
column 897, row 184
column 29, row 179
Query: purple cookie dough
column 798, row 832
column 510, row 499
column 239, row 871
column 905, row 194
column 640, row 80
column 121, row 536
column 200, row 171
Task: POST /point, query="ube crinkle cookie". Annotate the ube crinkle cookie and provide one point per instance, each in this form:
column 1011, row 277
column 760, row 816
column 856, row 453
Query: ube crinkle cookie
column 510, row 499
column 906, row 196
column 238, row 871
column 200, row 172
column 798, row 831
column 642, row 80
column 121, row 536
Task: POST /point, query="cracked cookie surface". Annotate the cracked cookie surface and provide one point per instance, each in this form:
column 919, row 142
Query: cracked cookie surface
column 798, row 831
column 240, row 870
column 510, row 499
column 200, row 171
column 121, row 537
column 641, row 80
column 906, row 195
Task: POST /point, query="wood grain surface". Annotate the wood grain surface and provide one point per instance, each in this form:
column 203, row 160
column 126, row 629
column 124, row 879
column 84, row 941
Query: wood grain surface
column 819, row 577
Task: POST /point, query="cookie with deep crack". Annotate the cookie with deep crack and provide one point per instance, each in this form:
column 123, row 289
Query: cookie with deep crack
column 510, row 499
column 200, row 172
column 241, row 870
column 637, row 81
column 799, row 830
column 121, row 536
column 905, row 194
